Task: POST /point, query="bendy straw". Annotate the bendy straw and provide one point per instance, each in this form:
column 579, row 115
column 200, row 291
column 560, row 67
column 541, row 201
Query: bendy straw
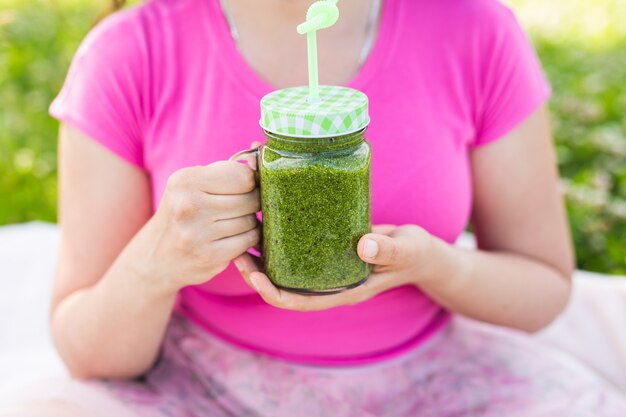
column 321, row 15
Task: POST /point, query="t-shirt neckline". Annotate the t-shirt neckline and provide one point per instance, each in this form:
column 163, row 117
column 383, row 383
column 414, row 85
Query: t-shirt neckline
column 240, row 68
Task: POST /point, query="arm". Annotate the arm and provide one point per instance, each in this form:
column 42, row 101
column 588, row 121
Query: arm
column 120, row 268
column 519, row 278
column 521, row 275
column 103, row 203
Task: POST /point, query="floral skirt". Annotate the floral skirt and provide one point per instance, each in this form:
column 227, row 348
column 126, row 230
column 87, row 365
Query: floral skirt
column 469, row 369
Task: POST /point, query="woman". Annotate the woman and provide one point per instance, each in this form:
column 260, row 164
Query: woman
column 158, row 98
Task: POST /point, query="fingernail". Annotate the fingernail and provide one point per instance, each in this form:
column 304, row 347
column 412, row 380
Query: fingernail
column 370, row 248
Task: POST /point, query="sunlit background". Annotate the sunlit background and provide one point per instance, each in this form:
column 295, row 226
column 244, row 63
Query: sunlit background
column 582, row 45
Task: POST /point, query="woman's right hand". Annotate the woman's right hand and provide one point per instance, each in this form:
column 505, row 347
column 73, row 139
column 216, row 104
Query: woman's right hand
column 121, row 265
column 206, row 218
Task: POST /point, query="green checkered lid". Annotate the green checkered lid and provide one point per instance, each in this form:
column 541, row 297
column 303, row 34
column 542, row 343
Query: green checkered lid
column 339, row 111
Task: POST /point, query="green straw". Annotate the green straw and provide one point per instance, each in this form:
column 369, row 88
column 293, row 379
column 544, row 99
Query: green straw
column 321, row 15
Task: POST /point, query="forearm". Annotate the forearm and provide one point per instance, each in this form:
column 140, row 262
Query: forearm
column 496, row 287
column 114, row 328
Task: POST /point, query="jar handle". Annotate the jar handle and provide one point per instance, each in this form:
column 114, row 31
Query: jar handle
column 244, row 155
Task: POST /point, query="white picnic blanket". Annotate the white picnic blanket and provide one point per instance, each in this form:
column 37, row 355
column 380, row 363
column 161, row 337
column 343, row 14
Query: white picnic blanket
column 593, row 328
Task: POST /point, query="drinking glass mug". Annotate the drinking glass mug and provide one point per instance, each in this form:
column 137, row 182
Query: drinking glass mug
column 315, row 189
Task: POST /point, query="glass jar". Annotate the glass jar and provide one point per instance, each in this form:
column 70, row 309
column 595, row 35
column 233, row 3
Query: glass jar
column 315, row 188
column 315, row 198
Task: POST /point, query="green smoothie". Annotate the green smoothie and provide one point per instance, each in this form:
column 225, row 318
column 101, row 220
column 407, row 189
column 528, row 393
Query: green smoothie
column 315, row 201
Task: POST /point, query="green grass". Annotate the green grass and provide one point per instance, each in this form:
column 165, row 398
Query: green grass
column 582, row 45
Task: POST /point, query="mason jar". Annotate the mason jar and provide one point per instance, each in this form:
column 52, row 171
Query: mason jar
column 315, row 188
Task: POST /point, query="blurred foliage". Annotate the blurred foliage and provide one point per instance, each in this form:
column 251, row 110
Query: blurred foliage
column 589, row 119
column 582, row 45
column 37, row 40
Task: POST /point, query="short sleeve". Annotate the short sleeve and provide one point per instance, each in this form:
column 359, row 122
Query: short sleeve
column 101, row 95
column 512, row 82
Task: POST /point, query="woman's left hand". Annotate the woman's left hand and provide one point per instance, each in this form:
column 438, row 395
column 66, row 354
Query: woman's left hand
column 400, row 255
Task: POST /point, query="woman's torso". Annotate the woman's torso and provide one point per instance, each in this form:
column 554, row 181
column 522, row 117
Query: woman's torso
column 200, row 103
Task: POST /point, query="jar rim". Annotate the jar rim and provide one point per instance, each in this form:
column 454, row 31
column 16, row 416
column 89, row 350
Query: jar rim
column 335, row 135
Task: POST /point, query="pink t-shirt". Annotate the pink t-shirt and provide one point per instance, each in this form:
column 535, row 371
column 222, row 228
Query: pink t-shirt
column 163, row 86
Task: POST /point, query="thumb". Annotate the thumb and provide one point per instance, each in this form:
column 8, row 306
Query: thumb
column 380, row 249
column 247, row 263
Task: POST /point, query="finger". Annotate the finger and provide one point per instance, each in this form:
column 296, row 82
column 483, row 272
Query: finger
column 292, row 301
column 233, row 246
column 232, row 206
column 222, row 177
column 246, row 264
column 383, row 229
column 255, row 160
column 381, row 250
column 250, row 156
column 232, row 227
